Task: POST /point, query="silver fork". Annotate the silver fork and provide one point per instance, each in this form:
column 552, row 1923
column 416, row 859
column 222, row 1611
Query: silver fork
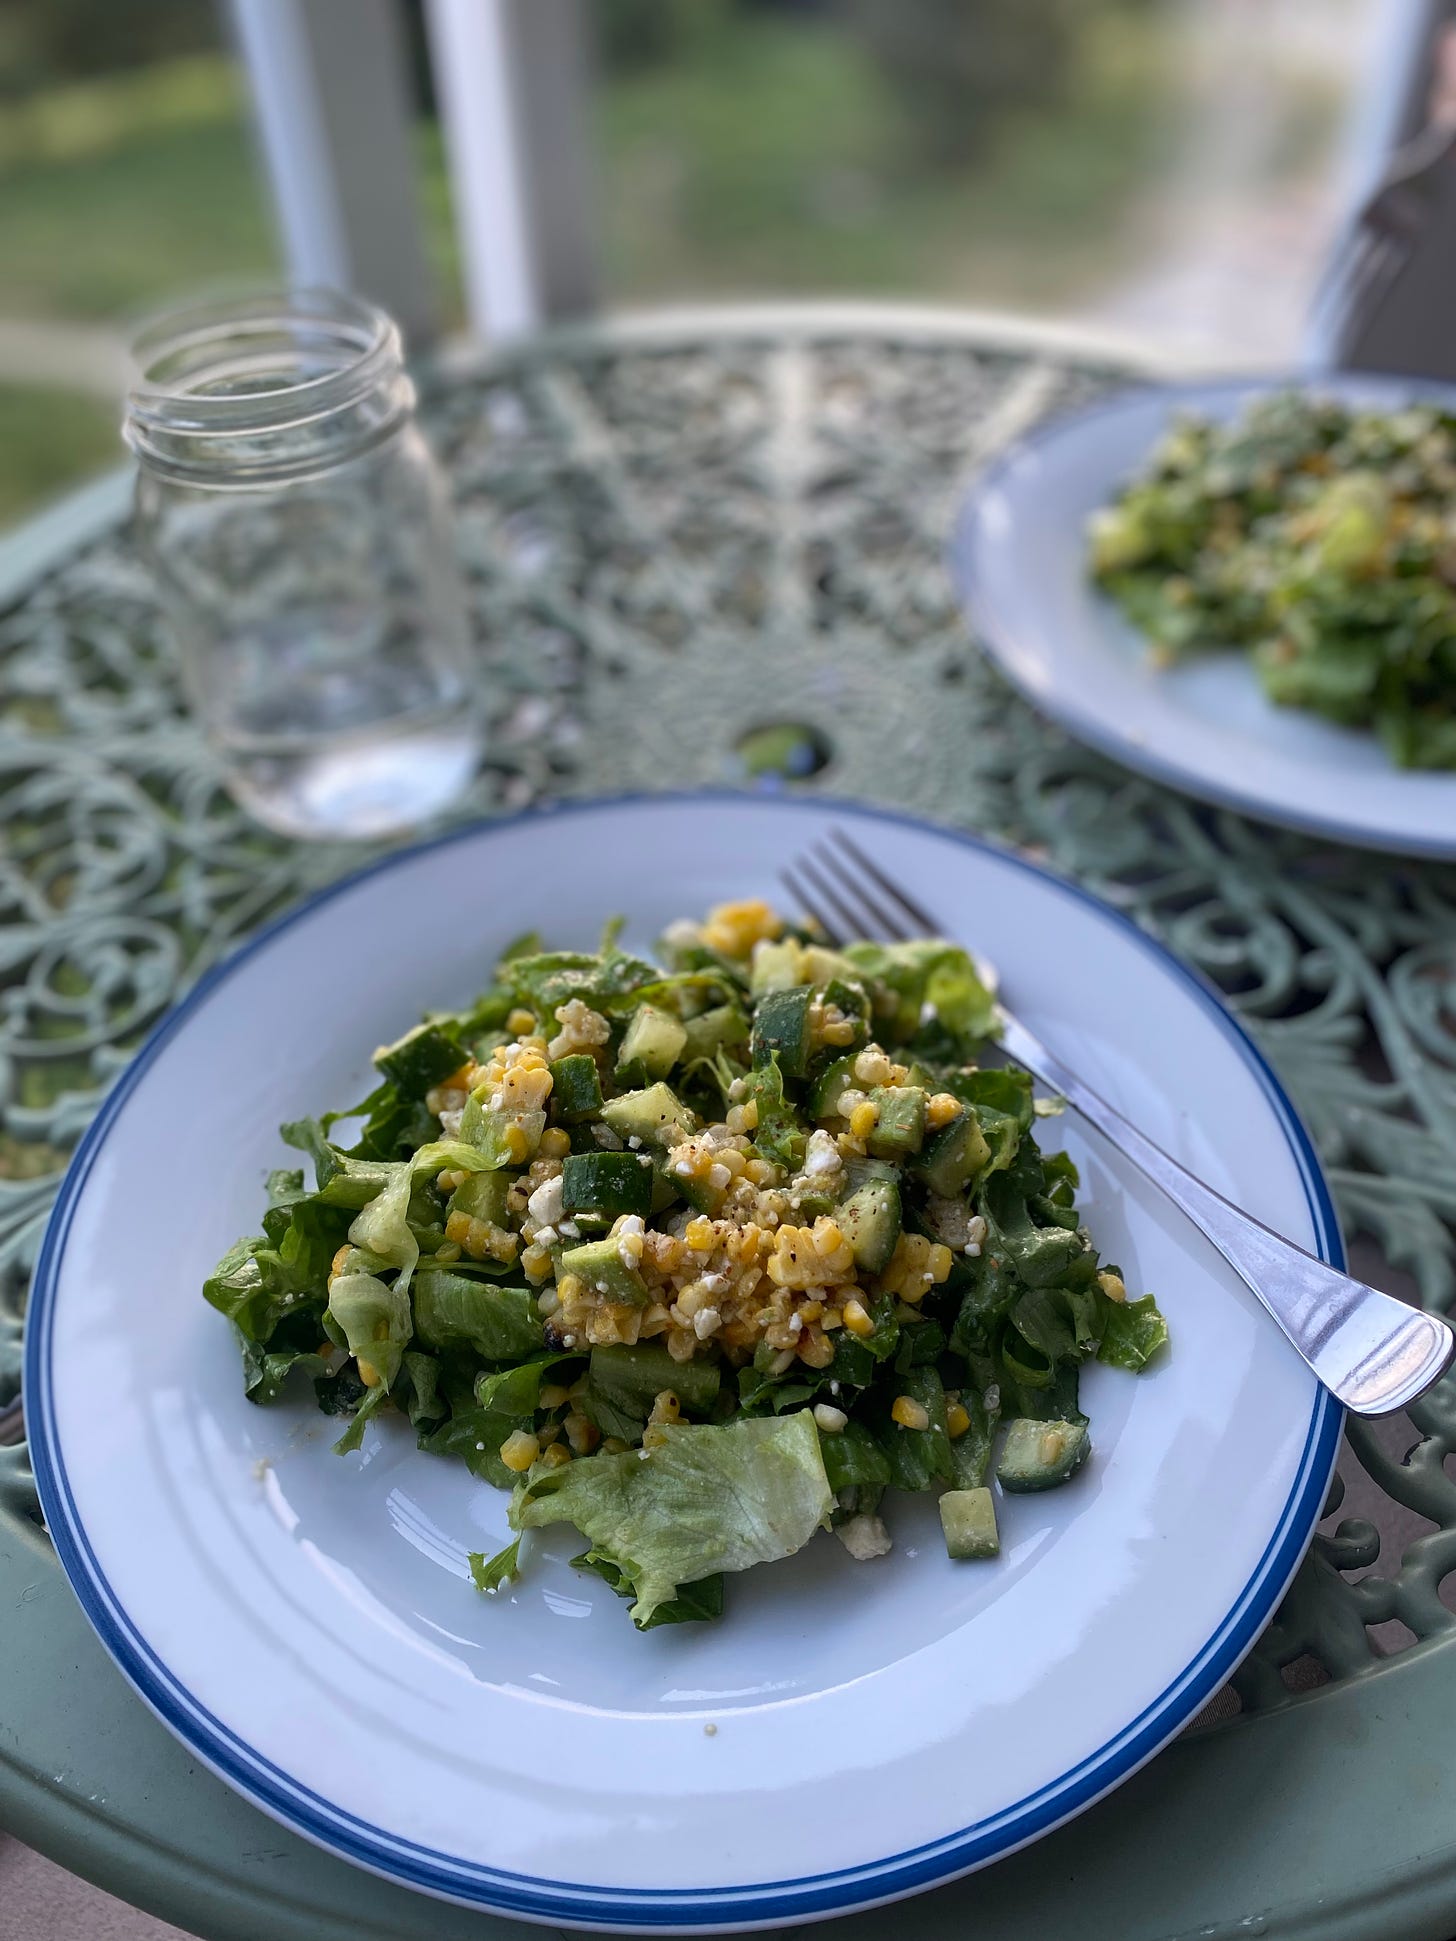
column 1370, row 1350
column 1382, row 238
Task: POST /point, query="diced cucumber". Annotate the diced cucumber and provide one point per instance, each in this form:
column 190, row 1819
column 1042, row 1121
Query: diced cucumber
column 834, row 1079
column 851, row 1000
column 656, row 1116
column 777, row 967
column 1039, row 1455
column 825, row 966
column 603, row 1185
column 870, row 1221
column 714, row 1031
column 631, row 1378
column 601, row 1266
column 953, row 1157
column 664, row 1188
column 968, row 1518
column 483, row 1197
column 576, row 1087
column 857, row 1171
column 490, row 1132
column 421, row 1058
column 900, row 1128
column 781, row 1024
column 652, row 1043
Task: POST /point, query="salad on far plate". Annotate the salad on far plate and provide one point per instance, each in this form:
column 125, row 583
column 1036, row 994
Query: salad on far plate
column 1320, row 537
column 699, row 1257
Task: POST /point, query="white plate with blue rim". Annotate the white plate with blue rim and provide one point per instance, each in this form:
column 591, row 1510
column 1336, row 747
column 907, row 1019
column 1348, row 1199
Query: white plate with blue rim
column 1019, row 561
column 849, row 1732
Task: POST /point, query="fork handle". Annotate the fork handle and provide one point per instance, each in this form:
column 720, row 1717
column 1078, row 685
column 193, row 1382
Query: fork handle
column 1374, row 1353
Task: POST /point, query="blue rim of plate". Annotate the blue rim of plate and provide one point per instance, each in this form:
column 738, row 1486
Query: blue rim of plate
column 738, row 1906
column 996, row 636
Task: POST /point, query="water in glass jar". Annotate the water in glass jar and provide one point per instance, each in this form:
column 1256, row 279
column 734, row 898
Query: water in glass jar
column 338, row 718
column 357, row 784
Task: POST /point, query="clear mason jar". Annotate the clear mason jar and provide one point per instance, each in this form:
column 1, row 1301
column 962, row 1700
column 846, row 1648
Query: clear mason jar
column 302, row 543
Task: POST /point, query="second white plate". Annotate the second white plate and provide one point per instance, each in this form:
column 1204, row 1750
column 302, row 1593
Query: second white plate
column 1019, row 559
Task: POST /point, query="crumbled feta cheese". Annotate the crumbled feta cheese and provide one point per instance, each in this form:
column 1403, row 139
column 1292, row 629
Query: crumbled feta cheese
column 706, row 1321
column 830, row 1419
column 864, row 1537
column 628, row 1234
column 569, row 1230
column 823, row 1155
column 795, row 1322
column 450, row 1123
column 543, row 1237
column 544, row 1205
column 719, row 1177
column 634, row 1142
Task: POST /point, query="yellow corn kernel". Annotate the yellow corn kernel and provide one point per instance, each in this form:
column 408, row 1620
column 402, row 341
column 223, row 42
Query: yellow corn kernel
column 957, row 1421
column 581, row 1434
column 833, row 1318
column 613, row 1446
column 336, row 1265
column 665, row 1251
column 701, row 1235
column 536, row 1262
column 555, row 1143
column 1112, row 1285
column 448, row 1250
column 812, row 1311
column 554, row 1455
column 655, row 1318
column 815, row 1348
column 519, row 1450
column 762, row 1172
column 682, row 1343
column 521, row 1022
column 552, row 1396
column 836, row 1029
column 856, row 1318
column 451, row 1177
column 665, row 1407
column 909, row 1413
column 940, row 1109
column 517, row 1145
column 734, row 928
column 938, row 1263
column 571, row 1287
column 864, row 1118
column 749, row 1109
column 368, row 1373
column 827, row 1237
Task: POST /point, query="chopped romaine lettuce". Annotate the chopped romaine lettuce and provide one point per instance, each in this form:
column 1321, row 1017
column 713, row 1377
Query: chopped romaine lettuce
column 715, row 1497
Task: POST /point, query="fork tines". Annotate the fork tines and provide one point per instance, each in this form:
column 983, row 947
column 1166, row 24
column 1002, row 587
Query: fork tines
column 835, row 876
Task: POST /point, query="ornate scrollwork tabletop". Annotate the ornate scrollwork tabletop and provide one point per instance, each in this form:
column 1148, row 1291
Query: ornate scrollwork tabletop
column 707, row 555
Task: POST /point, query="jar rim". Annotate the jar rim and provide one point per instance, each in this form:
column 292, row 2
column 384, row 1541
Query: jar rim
column 357, row 346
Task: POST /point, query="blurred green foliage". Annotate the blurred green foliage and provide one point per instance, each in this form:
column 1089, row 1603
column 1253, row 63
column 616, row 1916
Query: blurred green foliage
column 43, row 41
column 48, row 439
column 750, row 148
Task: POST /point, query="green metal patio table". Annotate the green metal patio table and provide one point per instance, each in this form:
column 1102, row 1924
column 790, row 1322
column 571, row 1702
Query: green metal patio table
column 700, row 549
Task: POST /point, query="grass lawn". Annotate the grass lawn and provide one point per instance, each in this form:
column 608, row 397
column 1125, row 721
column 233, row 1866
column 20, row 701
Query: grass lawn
column 776, row 162
column 780, row 165
column 48, row 440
